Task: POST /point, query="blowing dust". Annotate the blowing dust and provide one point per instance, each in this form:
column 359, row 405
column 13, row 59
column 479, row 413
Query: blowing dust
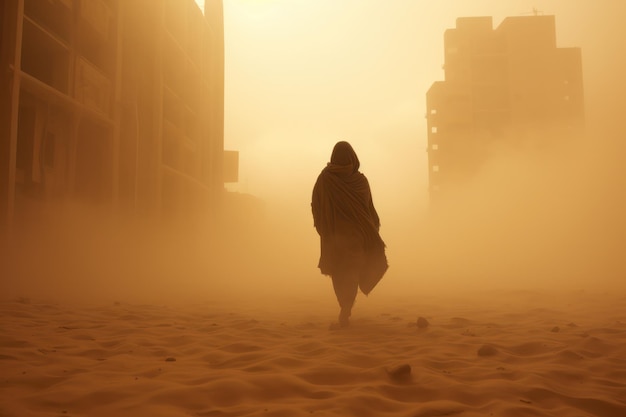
column 549, row 218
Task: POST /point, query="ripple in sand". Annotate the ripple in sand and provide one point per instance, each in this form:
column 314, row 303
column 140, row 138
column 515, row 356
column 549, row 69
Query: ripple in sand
column 241, row 348
column 8, row 342
column 528, row 349
column 330, row 376
column 596, row 346
column 568, row 356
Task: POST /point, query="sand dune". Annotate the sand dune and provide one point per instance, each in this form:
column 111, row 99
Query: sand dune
column 500, row 354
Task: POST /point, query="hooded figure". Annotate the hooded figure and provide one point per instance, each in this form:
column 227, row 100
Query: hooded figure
column 352, row 251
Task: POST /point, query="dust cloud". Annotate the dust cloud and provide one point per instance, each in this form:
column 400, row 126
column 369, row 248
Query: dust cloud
column 530, row 218
column 549, row 217
column 85, row 255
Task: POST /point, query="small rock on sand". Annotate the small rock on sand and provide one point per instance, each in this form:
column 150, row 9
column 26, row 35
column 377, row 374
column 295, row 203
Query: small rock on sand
column 400, row 372
column 487, row 350
column 555, row 329
column 422, row 323
column 170, row 359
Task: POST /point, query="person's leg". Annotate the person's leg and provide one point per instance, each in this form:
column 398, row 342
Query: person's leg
column 346, row 285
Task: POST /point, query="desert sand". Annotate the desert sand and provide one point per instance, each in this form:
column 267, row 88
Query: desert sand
column 494, row 353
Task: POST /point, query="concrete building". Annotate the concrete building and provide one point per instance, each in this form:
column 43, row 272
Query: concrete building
column 512, row 84
column 111, row 103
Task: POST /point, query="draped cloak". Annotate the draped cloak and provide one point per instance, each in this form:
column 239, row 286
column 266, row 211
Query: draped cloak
column 347, row 222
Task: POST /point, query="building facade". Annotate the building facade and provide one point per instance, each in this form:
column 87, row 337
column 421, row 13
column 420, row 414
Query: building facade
column 111, row 103
column 508, row 85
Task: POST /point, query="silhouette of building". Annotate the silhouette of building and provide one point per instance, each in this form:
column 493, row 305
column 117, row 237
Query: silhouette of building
column 511, row 84
column 113, row 103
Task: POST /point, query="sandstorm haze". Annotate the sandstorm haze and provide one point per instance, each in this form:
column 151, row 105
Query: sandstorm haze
column 301, row 75
column 306, row 74
column 135, row 281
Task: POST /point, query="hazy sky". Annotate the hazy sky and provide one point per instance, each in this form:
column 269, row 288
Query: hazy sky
column 302, row 74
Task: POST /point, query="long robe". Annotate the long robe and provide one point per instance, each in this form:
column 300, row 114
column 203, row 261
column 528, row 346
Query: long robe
column 348, row 225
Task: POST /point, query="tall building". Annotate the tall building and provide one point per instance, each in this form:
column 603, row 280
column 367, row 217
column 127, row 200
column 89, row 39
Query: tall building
column 112, row 103
column 510, row 84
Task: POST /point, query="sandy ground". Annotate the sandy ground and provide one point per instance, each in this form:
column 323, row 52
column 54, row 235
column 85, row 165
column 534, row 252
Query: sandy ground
column 500, row 353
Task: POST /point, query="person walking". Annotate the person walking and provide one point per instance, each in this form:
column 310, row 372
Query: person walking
column 352, row 252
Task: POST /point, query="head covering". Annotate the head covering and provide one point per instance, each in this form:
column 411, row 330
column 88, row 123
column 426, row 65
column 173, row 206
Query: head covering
column 344, row 155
